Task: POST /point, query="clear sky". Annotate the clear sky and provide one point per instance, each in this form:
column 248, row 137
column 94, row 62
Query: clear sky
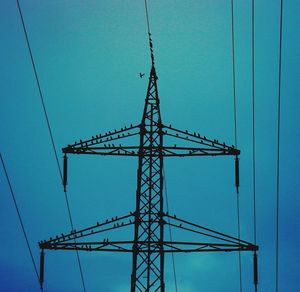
column 88, row 55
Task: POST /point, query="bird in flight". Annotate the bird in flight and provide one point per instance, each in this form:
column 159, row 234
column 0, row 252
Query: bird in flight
column 141, row 75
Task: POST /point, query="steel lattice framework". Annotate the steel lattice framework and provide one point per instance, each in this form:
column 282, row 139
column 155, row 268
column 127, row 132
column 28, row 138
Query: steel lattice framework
column 149, row 226
column 149, row 220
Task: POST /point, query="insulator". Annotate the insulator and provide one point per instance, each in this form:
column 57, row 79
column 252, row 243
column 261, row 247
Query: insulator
column 255, row 269
column 65, row 174
column 42, row 261
column 237, row 173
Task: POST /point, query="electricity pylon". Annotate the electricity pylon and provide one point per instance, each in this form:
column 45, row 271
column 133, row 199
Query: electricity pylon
column 148, row 247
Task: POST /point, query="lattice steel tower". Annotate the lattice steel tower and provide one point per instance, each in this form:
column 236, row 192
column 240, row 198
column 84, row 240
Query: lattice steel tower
column 148, row 246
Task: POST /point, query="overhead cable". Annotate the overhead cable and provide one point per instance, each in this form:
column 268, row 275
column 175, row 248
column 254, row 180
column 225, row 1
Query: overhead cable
column 170, row 230
column 235, row 139
column 49, row 129
column 20, row 218
column 278, row 146
column 254, row 147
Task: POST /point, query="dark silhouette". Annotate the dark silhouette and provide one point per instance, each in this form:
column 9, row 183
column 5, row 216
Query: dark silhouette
column 148, row 246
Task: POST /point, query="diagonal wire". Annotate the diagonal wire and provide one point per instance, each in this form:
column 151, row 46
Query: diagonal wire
column 278, row 147
column 233, row 71
column 20, row 219
column 49, row 129
column 149, row 33
column 39, row 86
column 253, row 125
column 253, row 130
column 170, row 231
column 235, row 137
column 147, row 17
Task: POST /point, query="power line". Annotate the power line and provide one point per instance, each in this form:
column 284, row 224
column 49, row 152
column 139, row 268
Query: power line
column 253, row 124
column 20, row 219
column 149, row 33
column 39, row 87
column 49, row 129
column 254, row 145
column 233, row 72
column 170, row 231
column 278, row 146
column 235, row 137
column 239, row 236
column 147, row 17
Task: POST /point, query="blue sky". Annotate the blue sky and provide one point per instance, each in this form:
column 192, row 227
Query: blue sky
column 88, row 55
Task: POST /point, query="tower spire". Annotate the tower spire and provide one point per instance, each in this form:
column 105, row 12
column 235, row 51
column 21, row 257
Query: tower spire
column 149, row 35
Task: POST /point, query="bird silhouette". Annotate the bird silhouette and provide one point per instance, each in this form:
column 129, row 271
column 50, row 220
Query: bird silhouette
column 141, row 75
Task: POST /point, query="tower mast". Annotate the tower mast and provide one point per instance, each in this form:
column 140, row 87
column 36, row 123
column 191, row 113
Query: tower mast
column 148, row 267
